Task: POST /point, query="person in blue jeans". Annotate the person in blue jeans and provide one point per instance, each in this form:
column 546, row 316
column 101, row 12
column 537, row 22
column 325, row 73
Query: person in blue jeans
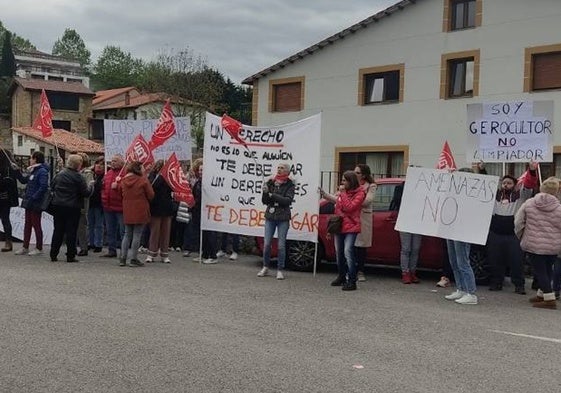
column 348, row 205
column 458, row 255
column 277, row 196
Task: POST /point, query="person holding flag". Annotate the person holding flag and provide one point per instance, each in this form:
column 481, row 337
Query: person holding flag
column 112, row 202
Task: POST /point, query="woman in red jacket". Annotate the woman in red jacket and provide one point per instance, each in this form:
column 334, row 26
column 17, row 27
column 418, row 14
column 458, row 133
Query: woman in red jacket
column 348, row 205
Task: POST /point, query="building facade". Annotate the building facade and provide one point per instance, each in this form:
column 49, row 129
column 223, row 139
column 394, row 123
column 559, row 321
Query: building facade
column 393, row 87
column 33, row 64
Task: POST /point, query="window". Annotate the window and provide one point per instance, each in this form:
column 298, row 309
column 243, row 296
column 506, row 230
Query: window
column 64, row 101
column 460, row 75
column 96, row 130
column 42, row 149
column 381, row 163
column 381, row 84
column 20, row 140
column 542, row 68
column 286, row 95
column 462, row 14
column 62, row 125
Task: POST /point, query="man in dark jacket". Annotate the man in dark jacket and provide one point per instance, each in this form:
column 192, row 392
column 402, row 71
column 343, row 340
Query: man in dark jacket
column 69, row 190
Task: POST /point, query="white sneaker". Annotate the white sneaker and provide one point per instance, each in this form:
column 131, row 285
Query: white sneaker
column 467, row 299
column 32, row 253
column 21, row 251
column 280, row 276
column 233, row 256
column 186, row 253
column 197, row 259
column 178, row 249
column 455, row 295
column 263, row 272
column 444, row 282
column 166, row 260
column 361, row 277
column 142, row 250
column 148, row 259
column 220, row 254
column 210, row 261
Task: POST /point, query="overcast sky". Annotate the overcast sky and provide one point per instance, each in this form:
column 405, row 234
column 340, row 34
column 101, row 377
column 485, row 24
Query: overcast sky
column 237, row 37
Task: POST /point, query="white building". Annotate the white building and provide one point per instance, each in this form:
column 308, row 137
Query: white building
column 393, row 87
column 33, row 64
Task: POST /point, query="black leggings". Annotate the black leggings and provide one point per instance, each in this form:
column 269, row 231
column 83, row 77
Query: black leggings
column 5, row 218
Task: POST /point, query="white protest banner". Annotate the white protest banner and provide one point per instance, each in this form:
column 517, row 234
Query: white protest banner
column 119, row 134
column 233, row 176
column 517, row 131
column 450, row 205
column 17, row 218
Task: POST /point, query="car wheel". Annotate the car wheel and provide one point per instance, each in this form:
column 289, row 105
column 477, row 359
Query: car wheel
column 479, row 264
column 300, row 255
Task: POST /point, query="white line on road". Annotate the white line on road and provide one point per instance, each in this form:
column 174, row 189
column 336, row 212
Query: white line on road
column 553, row 340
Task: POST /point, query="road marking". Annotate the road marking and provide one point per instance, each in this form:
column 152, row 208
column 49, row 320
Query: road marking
column 553, row 340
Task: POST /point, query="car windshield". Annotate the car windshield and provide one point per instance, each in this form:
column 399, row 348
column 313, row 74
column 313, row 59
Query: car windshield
column 383, row 197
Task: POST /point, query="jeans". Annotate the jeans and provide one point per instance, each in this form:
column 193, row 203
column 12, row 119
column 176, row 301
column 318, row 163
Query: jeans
column 458, row 254
column 6, row 223
column 133, row 232
column 282, row 230
column 557, row 275
column 346, row 258
column 95, row 226
column 543, row 270
column 115, row 229
column 235, row 242
column 410, row 247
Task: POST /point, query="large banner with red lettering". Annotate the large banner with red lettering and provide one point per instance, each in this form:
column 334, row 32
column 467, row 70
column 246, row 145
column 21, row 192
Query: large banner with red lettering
column 234, row 172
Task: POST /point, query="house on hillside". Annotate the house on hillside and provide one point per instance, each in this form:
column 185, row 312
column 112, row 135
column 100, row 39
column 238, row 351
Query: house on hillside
column 393, row 87
column 130, row 103
column 34, row 64
column 71, row 103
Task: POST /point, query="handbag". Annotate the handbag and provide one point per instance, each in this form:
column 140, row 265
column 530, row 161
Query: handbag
column 334, row 224
column 46, row 201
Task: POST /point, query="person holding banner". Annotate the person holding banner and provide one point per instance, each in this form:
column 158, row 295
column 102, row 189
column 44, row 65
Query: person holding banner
column 137, row 193
column 503, row 247
column 364, row 238
column 348, row 205
column 277, row 196
column 37, row 185
column 162, row 210
column 538, row 225
column 112, row 202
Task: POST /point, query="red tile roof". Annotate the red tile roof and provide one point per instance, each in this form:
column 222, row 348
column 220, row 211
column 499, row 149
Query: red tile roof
column 144, row 99
column 50, row 85
column 104, row 95
column 66, row 140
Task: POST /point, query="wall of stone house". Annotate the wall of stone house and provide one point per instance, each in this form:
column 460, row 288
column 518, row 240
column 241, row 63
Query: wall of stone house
column 5, row 133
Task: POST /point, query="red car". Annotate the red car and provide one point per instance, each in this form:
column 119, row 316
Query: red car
column 385, row 247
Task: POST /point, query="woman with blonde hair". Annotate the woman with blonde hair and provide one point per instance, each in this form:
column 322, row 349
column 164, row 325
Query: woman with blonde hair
column 538, row 225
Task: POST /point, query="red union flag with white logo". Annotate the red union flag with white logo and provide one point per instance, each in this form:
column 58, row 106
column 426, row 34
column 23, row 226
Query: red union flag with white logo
column 446, row 159
column 140, row 151
column 165, row 128
column 44, row 120
column 174, row 176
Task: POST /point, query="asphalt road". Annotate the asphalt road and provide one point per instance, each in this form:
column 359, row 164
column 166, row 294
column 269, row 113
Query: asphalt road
column 96, row 327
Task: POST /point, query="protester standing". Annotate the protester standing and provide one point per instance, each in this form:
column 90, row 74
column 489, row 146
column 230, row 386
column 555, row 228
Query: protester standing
column 69, row 190
column 538, row 224
column 137, row 193
column 364, row 238
column 277, row 196
column 37, row 184
column 88, row 175
column 8, row 197
column 112, row 202
column 95, row 209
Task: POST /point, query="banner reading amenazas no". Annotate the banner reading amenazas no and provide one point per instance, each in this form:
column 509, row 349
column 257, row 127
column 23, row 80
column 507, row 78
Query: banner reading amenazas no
column 234, row 172
column 451, row 205
column 517, row 131
column 119, row 134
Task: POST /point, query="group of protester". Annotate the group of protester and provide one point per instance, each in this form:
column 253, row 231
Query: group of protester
column 132, row 205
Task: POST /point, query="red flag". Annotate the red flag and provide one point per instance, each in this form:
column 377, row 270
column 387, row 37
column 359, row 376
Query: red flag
column 165, row 128
column 174, row 176
column 44, row 120
column 233, row 128
column 139, row 150
column 446, row 159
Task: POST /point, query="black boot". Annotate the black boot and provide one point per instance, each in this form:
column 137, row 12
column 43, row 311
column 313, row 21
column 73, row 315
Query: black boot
column 340, row 280
column 348, row 286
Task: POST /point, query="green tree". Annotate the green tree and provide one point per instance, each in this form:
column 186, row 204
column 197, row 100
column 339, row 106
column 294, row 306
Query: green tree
column 18, row 42
column 116, row 68
column 72, row 46
column 7, row 61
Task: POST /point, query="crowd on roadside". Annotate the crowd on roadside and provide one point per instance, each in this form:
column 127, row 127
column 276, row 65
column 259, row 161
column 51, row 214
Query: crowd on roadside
column 130, row 208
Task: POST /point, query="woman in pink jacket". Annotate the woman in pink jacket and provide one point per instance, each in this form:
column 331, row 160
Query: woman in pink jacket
column 538, row 225
column 348, row 205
